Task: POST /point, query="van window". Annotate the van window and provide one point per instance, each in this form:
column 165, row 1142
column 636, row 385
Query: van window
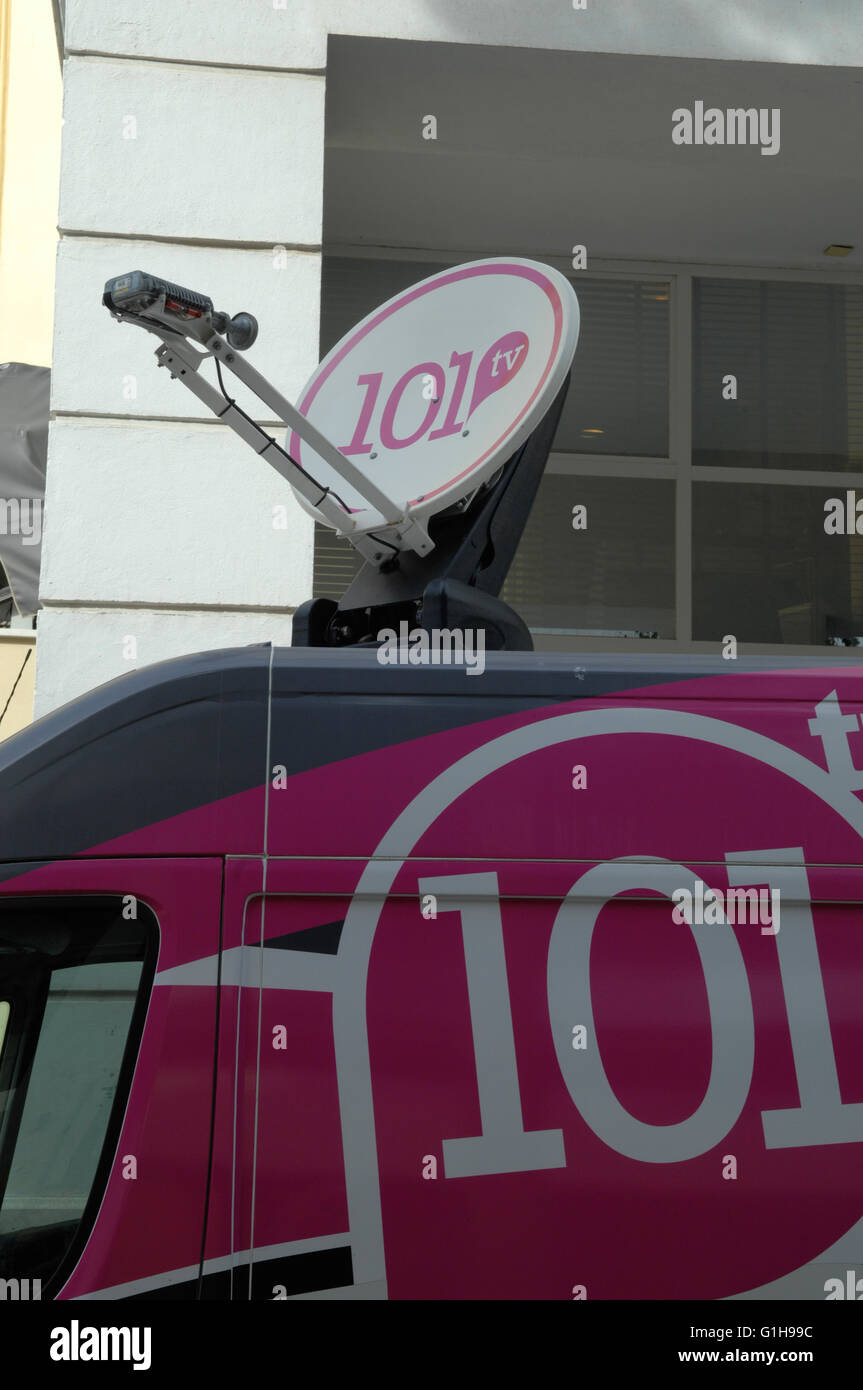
column 71, row 978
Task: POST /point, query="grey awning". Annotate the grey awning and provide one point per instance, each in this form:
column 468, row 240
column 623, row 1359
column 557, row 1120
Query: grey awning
column 24, row 407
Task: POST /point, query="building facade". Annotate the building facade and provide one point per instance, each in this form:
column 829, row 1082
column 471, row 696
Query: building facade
column 693, row 168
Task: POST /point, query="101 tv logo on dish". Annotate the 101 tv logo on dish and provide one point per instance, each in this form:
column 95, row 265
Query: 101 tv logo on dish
column 495, row 369
column 438, row 388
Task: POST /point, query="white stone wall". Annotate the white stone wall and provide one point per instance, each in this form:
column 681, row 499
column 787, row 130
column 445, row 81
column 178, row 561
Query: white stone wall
column 159, row 522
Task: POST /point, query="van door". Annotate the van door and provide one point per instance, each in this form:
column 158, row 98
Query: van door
column 455, row 1075
column 108, row 1007
column 278, row 1224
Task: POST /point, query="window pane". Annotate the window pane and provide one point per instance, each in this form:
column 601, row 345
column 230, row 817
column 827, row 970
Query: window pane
column 797, row 353
column 764, row 570
column 618, row 395
column 70, row 1093
column 71, row 973
column 618, row 574
column 336, row 563
column 352, row 286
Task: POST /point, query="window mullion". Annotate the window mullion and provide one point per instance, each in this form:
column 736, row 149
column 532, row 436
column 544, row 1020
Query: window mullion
column 680, row 447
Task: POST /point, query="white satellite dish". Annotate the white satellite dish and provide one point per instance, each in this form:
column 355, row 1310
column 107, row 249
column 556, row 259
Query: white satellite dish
column 432, row 392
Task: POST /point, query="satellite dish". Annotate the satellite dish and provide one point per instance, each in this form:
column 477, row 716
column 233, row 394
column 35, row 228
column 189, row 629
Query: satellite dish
column 429, row 395
column 421, row 437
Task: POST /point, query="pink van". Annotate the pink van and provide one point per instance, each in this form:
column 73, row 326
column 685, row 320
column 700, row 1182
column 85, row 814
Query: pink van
column 320, row 979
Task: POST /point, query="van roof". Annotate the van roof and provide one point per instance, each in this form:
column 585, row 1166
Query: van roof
column 192, row 731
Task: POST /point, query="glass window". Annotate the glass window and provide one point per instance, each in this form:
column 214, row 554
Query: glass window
column 352, row 286
column 796, row 351
column 615, row 576
column 764, row 570
column 617, row 401
column 336, row 563
column 72, row 973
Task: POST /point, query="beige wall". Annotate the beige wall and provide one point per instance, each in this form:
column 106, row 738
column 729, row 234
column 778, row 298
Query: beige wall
column 30, row 127
column 13, row 650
